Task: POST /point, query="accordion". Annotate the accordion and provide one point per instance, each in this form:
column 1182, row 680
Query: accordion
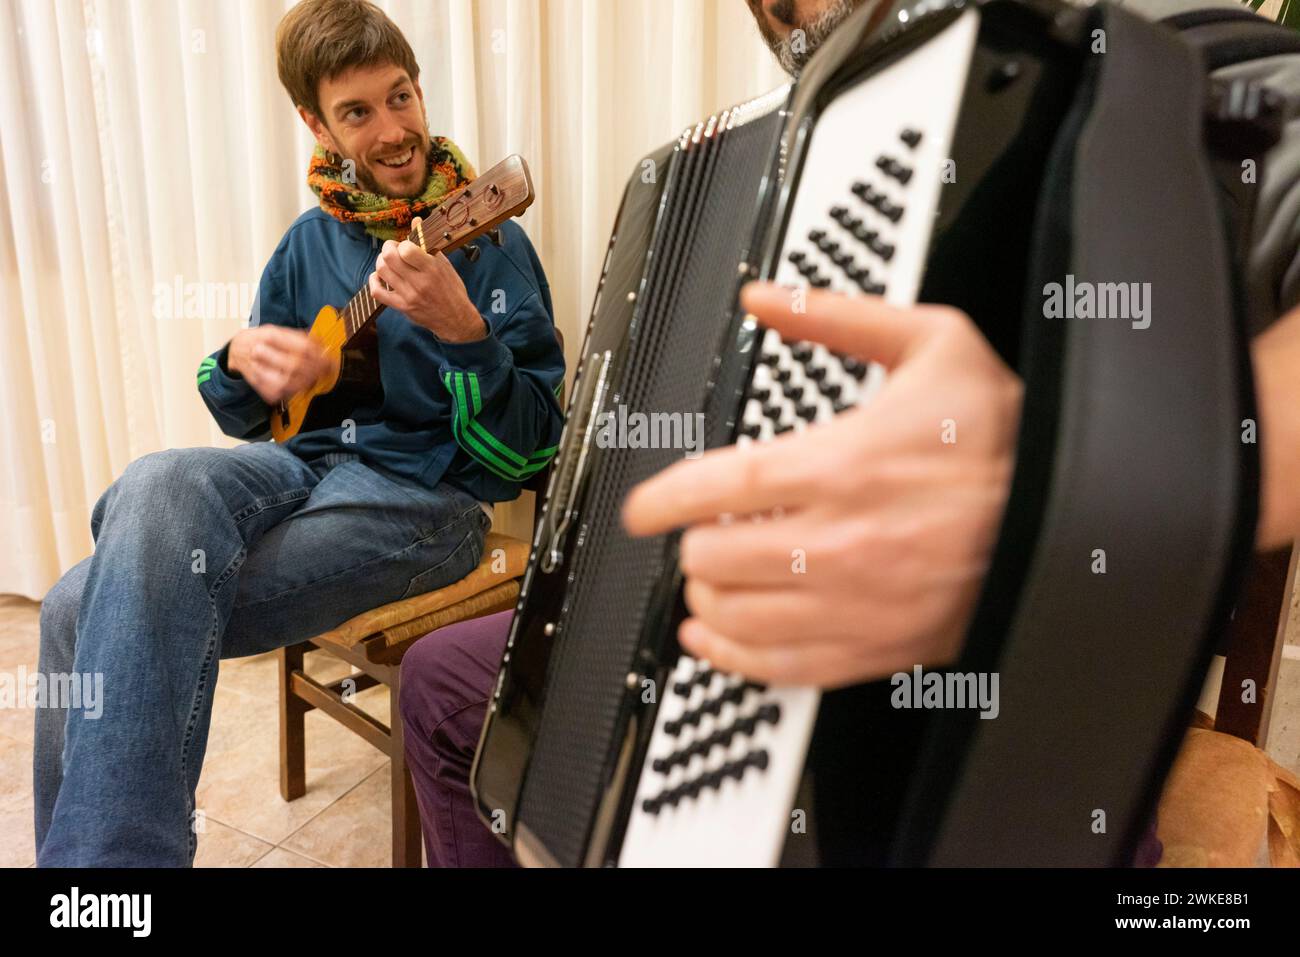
column 955, row 152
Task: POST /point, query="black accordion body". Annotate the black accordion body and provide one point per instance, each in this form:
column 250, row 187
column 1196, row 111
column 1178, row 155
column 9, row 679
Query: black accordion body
column 962, row 153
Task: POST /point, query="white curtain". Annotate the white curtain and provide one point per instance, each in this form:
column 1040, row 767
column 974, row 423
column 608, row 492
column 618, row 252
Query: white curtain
column 151, row 162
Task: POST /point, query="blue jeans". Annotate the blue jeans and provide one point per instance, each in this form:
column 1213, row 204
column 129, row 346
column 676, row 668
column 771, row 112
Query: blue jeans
column 203, row 554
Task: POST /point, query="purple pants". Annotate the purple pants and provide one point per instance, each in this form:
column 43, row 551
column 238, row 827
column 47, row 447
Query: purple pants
column 447, row 678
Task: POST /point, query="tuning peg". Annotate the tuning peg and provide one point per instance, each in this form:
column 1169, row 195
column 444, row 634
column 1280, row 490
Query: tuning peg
column 472, row 253
column 495, row 236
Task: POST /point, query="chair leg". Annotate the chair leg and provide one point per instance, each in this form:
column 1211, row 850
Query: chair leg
column 406, row 812
column 293, row 737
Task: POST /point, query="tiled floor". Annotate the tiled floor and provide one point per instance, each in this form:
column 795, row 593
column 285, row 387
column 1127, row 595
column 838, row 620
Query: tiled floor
column 343, row 819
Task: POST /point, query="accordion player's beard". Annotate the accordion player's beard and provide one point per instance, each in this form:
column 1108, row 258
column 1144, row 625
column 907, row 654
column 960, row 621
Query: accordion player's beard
column 794, row 51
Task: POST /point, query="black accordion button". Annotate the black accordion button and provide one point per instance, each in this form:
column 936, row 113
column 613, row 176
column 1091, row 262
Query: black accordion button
column 881, row 248
column 864, row 235
column 891, row 167
column 911, row 137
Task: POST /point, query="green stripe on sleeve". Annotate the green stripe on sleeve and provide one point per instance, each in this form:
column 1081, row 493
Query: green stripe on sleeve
column 482, row 445
column 473, row 393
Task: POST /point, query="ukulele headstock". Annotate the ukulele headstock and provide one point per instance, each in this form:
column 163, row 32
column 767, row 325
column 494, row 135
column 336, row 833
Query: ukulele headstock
column 503, row 192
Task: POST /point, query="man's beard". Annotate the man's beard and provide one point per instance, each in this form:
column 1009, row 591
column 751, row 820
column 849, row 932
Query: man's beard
column 368, row 183
column 794, row 52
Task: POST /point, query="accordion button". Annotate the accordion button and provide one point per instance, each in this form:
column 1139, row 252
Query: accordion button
column 911, row 137
column 892, row 168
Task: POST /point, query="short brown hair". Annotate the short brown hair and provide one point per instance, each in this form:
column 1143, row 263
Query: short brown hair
column 320, row 39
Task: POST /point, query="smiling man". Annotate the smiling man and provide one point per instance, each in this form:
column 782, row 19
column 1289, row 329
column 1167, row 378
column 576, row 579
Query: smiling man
column 203, row 554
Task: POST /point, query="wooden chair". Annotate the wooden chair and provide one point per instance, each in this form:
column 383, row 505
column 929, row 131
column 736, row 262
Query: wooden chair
column 374, row 643
column 1252, row 647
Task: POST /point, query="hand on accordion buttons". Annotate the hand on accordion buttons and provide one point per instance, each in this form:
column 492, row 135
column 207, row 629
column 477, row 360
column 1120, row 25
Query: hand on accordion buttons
column 855, row 548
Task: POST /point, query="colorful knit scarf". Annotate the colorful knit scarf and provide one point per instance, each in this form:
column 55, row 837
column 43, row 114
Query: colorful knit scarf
column 387, row 217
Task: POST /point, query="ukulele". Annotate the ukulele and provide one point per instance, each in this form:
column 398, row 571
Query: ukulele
column 477, row 208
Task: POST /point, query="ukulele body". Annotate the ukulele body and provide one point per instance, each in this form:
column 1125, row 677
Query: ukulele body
column 331, row 399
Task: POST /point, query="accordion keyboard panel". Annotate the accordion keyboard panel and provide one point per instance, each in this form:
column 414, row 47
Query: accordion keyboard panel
column 708, row 216
column 726, row 755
